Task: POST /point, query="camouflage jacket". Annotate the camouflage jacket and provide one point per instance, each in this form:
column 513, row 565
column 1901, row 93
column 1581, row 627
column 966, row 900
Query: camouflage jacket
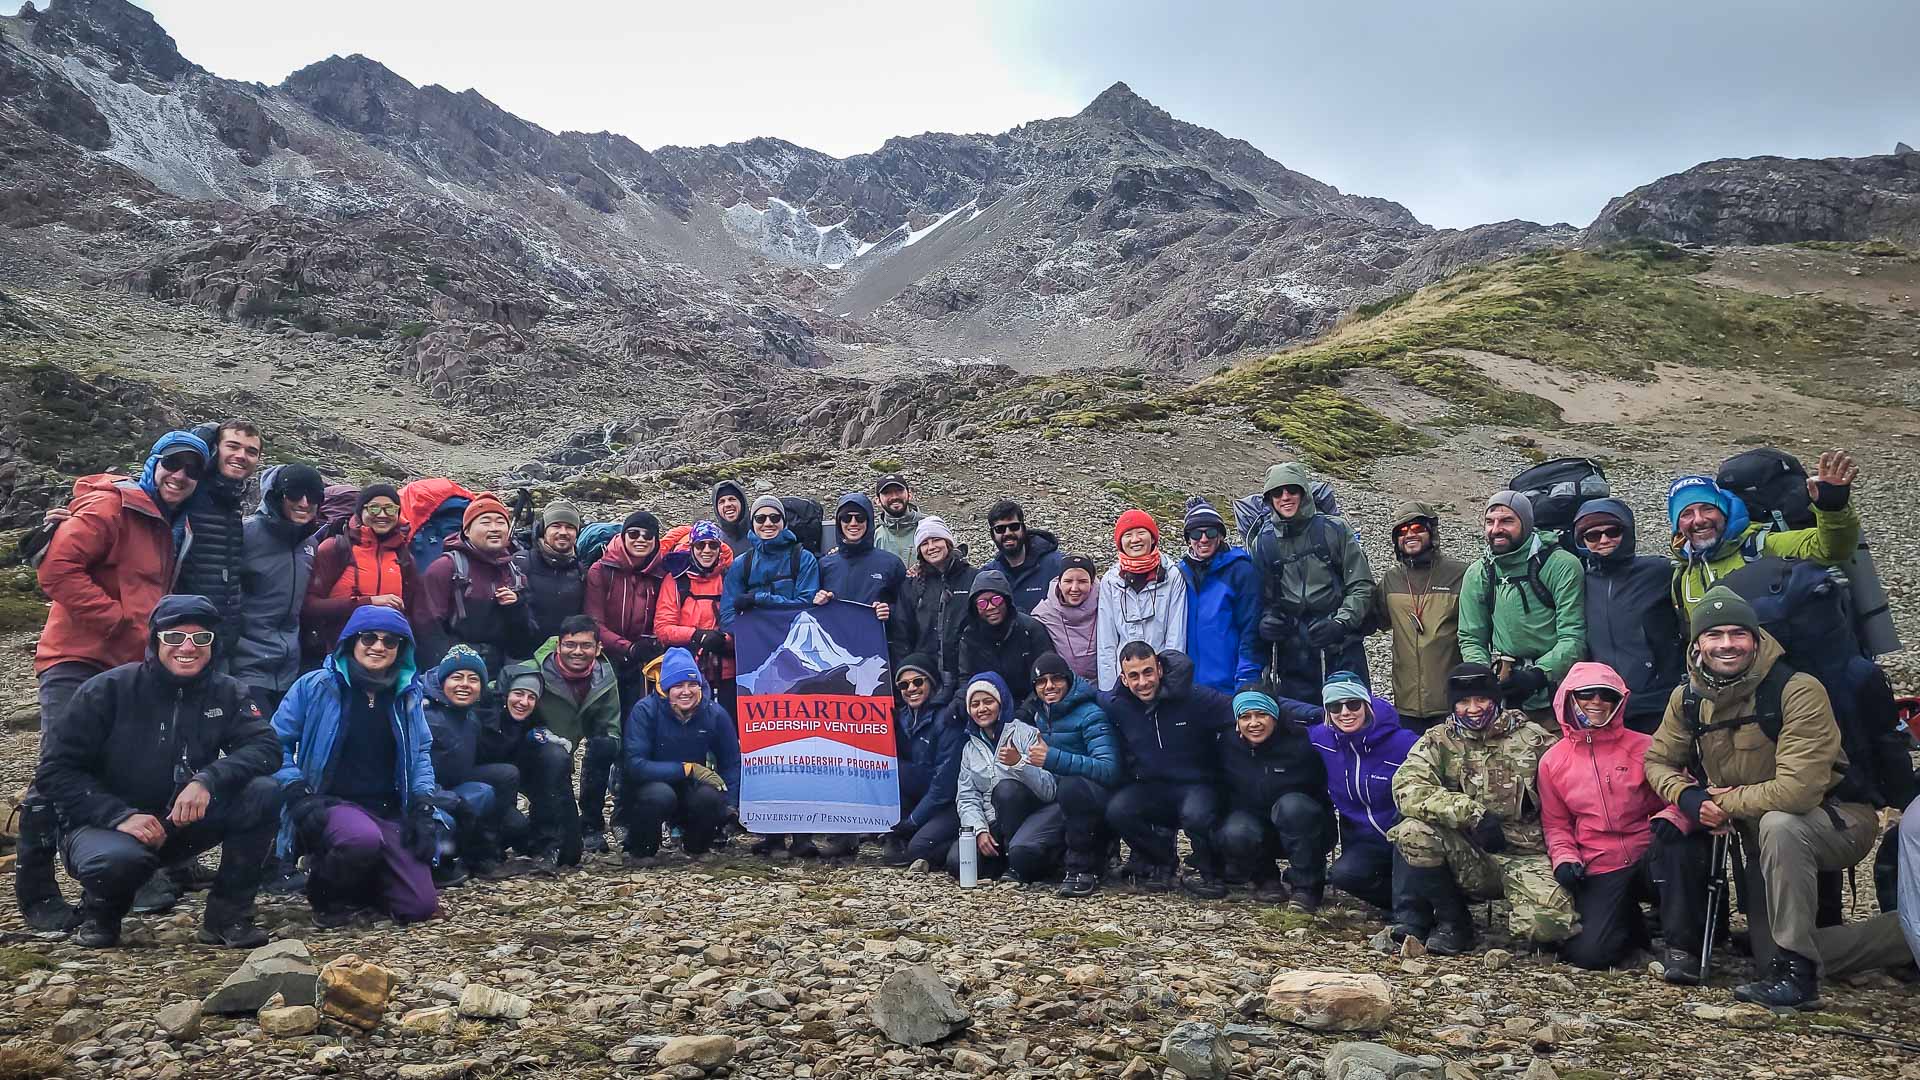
column 1451, row 777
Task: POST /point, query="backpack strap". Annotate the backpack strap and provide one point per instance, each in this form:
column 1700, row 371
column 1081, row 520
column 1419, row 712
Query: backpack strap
column 462, row 578
column 1766, row 706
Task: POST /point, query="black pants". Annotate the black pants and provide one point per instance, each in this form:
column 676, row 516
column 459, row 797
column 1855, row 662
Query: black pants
column 1679, row 871
column 699, row 810
column 546, row 775
column 1611, row 924
column 1083, row 805
column 597, row 766
column 933, row 840
column 1145, row 812
column 485, row 825
column 1029, row 833
column 1304, row 669
column 1298, row 828
column 1364, row 869
column 112, row 865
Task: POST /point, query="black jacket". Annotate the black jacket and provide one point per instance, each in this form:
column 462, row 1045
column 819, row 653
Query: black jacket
column 465, row 738
column 555, row 590
column 1632, row 626
column 212, row 566
column 1174, row 738
column 135, row 735
column 929, row 741
column 1254, row 777
column 936, row 606
column 1007, row 650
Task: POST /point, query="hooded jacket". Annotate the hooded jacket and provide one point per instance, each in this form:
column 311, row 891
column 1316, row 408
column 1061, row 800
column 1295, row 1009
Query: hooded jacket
column 311, row 720
column 1832, row 540
column 568, row 713
column 556, row 587
column 895, row 534
column 137, row 734
column 1156, row 614
column 1596, row 807
column 463, row 737
column 273, row 578
column 740, row 530
column 499, row 633
column 1253, row 778
column 1074, row 631
column 776, row 573
column 980, row 767
column 1030, row 579
column 1360, row 769
column 1794, row 774
column 349, row 569
column 1453, row 776
column 1007, row 650
column 689, row 597
column 107, row 565
column 659, row 742
column 1418, row 602
column 929, row 740
column 1550, row 637
column 937, row 603
column 623, row 599
column 1173, row 738
column 1223, row 619
column 212, row 567
column 859, row 571
column 1295, row 579
column 1079, row 737
column 1632, row 624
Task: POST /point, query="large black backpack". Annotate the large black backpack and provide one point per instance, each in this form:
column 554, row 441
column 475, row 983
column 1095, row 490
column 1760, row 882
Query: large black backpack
column 1773, row 485
column 804, row 517
column 1250, row 512
column 1557, row 488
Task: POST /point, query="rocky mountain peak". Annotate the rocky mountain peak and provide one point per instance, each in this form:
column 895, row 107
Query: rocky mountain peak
column 1119, row 102
column 116, row 29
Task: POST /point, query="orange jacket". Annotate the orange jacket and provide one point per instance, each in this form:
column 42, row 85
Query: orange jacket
column 689, row 600
column 105, row 568
column 349, row 570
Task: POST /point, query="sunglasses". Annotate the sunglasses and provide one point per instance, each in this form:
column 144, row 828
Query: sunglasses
column 372, row 510
column 637, row 534
column 1206, row 533
column 1410, row 527
column 379, row 639
column 766, row 519
column 849, row 519
column 1009, row 527
column 913, row 683
column 183, row 463
column 1604, row 532
column 1595, row 693
column 300, row 497
column 988, row 600
column 177, row 638
column 706, row 545
column 1349, row 705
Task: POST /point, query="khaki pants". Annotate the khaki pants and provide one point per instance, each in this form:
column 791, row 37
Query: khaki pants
column 1541, row 912
column 1789, row 849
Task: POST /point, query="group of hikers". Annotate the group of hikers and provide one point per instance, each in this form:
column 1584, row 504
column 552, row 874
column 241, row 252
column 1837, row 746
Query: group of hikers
column 353, row 691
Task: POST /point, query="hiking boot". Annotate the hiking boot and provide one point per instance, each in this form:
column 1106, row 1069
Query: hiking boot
column 593, row 840
column 190, row 876
column 1452, row 939
column 237, row 932
column 804, row 848
column 449, row 873
column 333, row 916
column 1682, row 968
column 1152, row 877
column 97, row 931
column 285, row 881
column 893, row 850
column 1078, row 885
column 641, row 860
column 1203, row 885
column 1793, row 984
column 35, row 886
column 1270, row 891
column 156, row 897
column 1453, row 932
column 1307, row 901
column 920, row 866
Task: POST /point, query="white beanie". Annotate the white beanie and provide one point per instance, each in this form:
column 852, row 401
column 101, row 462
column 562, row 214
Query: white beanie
column 931, row 528
column 983, row 686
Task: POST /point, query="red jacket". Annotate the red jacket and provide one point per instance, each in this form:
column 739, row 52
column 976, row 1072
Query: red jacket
column 1595, row 804
column 349, row 570
column 689, row 600
column 620, row 598
column 104, row 569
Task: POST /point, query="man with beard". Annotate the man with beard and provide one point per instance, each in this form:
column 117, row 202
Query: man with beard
column 1523, row 609
column 898, row 520
column 1030, row 558
column 212, row 566
column 1713, row 536
column 556, row 582
column 474, row 593
column 273, row 580
column 1632, row 624
column 1318, row 587
column 1418, row 601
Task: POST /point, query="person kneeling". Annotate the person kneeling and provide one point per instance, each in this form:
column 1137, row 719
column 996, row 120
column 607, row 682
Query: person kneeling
column 1470, row 818
column 158, row 761
column 357, row 772
column 1078, row 746
column 929, row 738
column 1007, row 804
column 669, row 737
column 1170, row 731
column 1276, row 790
column 1362, row 745
column 468, row 748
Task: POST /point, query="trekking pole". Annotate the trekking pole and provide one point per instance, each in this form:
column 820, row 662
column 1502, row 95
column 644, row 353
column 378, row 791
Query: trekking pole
column 1716, row 895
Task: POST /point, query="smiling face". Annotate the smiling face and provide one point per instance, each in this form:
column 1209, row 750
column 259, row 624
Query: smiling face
column 1255, row 726
column 1075, row 586
column 462, row 688
column 1701, row 524
column 381, row 515
column 489, row 533
column 1412, row 538
column 521, row 703
column 1347, row 717
column 1286, row 502
column 684, row 697
column 934, row 551
column 1202, row 543
column 1141, row 677
column 706, row 553
column 177, row 475
column 180, row 653
column 853, row 525
column 577, row 652
column 1596, row 705
column 299, row 509
column 729, row 507
column 768, row 523
column 894, row 500
column 560, row 538
column 992, row 608
column 1135, row 543
column 1503, row 530
column 239, row 455
column 983, row 708
column 1727, row 651
column 1009, row 535
column 915, row 688
column 1602, row 535
column 377, row 650
column 1051, row 687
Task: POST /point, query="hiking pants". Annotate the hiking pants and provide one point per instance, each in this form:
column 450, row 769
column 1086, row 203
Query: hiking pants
column 1083, row 803
column 1542, row 912
column 597, row 766
column 1786, row 851
column 1145, row 812
column 933, row 840
column 361, row 858
column 546, row 774
column 1608, row 906
column 1299, row 829
column 1030, row 834
column 112, row 865
column 1364, row 869
column 699, row 809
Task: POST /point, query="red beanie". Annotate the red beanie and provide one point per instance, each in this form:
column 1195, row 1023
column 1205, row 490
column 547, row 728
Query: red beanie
column 483, row 503
column 1135, row 519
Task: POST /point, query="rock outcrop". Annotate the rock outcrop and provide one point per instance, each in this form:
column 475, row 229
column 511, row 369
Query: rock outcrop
column 1772, row 200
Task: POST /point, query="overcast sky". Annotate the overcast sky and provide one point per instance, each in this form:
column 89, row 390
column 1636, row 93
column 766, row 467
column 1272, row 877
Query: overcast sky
column 1465, row 111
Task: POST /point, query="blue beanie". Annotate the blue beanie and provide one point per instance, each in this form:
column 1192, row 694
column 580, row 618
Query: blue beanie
column 1693, row 490
column 678, row 666
column 460, row 658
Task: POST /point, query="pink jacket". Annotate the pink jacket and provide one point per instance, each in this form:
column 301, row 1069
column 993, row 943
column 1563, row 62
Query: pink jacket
column 1595, row 805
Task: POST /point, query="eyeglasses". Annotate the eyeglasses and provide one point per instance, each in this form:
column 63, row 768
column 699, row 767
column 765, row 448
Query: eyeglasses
column 706, row 545
column 578, row 646
column 1206, row 533
column 641, row 535
column 1348, row 705
column 378, row 639
column 1410, row 527
column 989, row 600
column 912, row 683
column 176, row 638
column 766, row 519
column 849, row 519
column 1595, row 693
column 379, row 511
column 188, row 463
column 1604, row 532
column 1008, row 527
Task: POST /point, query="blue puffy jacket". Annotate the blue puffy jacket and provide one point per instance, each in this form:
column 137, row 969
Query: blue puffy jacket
column 309, row 720
column 658, row 742
column 1080, row 738
column 1223, row 619
column 776, row 573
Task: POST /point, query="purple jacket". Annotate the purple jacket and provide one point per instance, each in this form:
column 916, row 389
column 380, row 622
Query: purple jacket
column 1360, row 770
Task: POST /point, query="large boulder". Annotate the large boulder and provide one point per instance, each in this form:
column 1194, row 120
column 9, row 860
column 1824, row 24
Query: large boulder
column 280, row 967
column 915, row 1007
column 1330, row 1000
column 1199, row 1051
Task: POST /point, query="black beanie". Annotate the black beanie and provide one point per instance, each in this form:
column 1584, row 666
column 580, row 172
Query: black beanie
column 1051, row 663
column 1471, row 680
column 1079, row 562
column 374, row 491
column 299, row 479
column 640, row 519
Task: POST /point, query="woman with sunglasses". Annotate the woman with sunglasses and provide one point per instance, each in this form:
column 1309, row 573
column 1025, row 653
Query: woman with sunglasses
column 929, row 738
column 686, row 614
column 1633, row 626
column 1362, row 745
column 367, row 563
column 1142, row 597
column 623, row 598
column 357, row 770
column 1597, row 811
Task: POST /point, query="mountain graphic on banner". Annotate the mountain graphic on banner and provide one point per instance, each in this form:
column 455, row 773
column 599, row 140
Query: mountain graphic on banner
column 809, row 661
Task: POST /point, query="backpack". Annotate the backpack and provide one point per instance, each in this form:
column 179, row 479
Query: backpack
column 805, row 517
column 1322, row 530
column 463, row 577
column 431, row 541
column 1250, row 512
column 1557, row 488
column 1773, row 485
column 594, row 538
column 1528, row 581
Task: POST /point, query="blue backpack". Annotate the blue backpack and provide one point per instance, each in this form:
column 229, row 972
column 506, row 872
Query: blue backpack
column 431, row 541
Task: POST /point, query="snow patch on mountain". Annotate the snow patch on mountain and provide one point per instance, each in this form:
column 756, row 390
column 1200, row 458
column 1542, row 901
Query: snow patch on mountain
column 164, row 138
column 784, row 232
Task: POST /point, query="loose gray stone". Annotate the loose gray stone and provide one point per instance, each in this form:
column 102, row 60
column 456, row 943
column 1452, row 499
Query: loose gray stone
column 1372, row 1061
column 282, row 967
column 1198, row 1050
column 915, row 1007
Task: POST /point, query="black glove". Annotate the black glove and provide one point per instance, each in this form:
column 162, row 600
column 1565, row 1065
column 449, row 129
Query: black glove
column 743, row 602
column 1831, row 496
column 1275, row 627
column 1324, row 633
column 1487, row 834
column 420, row 832
column 1689, row 803
column 904, row 829
column 1666, row 831
column 308, row 813
column 1522, row 683
column 709, row 641
column 1570, row 875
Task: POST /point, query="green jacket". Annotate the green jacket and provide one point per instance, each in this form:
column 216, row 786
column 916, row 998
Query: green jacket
column 1452, row 777
column 561, row 713
column 1552, row 638
column 1832, row 540
column 1296, row 580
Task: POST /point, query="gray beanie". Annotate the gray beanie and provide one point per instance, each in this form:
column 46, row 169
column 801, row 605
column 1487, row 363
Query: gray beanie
column 769, row 502
column 560, row 513
column 1521, row 506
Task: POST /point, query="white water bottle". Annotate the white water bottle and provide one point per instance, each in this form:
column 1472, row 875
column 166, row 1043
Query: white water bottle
column 969, row 858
